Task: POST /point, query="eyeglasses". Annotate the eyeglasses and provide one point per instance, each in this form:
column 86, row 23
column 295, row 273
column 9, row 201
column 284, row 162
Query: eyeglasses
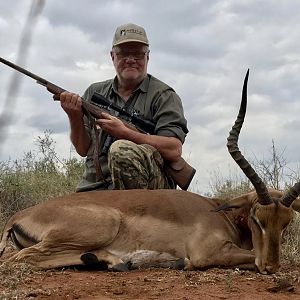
column 133, row 55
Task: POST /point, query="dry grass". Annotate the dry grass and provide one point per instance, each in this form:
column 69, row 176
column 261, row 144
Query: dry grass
column 291, row 241
column 36, row 177
column 14, row 275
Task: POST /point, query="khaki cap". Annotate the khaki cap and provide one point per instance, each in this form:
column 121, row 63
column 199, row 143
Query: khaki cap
column 130, row 33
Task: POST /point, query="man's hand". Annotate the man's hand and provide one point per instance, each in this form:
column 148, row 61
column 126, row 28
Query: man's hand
column 71, row 104
column 113, row 126
column 170, row 148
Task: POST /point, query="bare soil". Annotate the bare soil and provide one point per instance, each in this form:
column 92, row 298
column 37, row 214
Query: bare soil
column 21, row 281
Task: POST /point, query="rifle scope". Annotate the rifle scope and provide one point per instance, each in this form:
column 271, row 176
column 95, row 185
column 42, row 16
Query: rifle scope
column 142, row 124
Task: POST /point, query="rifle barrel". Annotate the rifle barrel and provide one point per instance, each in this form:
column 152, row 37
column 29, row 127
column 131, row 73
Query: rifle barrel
column 24, row 71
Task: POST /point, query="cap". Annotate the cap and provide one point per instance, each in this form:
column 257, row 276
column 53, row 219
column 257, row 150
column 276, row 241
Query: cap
column 130, row 33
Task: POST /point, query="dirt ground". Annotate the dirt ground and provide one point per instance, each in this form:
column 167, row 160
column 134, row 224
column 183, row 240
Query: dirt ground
column 21, row 281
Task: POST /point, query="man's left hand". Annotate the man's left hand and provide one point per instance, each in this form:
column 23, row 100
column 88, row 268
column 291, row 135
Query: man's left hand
column 113, row 126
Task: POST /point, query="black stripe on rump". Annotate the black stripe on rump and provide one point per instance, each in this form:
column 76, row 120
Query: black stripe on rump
column 17, row 229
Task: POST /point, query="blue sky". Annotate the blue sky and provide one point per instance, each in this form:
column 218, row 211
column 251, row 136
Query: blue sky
column 201, row 48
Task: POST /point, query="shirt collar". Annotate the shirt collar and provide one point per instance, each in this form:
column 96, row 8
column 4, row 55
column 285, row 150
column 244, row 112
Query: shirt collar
column 143, row 87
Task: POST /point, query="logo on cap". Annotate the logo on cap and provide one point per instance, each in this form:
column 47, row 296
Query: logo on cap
column 130, row 33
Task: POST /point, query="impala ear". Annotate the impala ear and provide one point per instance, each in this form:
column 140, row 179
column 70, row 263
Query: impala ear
column 245, row 200
column 296, row 205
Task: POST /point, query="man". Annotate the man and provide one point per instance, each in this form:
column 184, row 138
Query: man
column 117, row 156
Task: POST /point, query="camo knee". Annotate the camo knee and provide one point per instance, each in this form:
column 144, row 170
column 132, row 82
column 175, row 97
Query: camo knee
column 135, row 166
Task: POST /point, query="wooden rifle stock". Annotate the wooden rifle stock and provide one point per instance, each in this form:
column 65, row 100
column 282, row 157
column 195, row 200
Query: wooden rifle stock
column 181, row 172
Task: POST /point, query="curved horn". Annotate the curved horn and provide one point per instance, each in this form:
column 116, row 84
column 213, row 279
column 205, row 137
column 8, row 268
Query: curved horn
column 261, row 189
column 291, row 194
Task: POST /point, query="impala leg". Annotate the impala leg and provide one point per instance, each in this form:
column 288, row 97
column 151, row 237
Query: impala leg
column 3, row 242
column 48, row 256
column 5, row 237
column 114, row 263
column 140, row 259
column 144, row 259
column 228, row 255
column 250, row 267
column 233, row 256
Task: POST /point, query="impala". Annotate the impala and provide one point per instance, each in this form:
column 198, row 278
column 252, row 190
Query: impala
column 169, row 228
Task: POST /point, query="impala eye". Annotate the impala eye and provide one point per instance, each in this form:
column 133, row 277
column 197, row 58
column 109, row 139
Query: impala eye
column 253, row 216
column 254, row 219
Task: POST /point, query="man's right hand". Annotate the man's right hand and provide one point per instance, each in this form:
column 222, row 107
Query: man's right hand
column 71, row 104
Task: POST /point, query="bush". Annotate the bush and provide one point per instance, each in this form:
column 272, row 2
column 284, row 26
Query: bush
column 230, row 187
column 36, row 177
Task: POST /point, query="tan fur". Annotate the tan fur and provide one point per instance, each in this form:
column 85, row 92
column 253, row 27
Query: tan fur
column 114, row 226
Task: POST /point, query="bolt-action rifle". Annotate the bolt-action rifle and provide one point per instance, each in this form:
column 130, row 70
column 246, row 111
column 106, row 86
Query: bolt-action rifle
column 181, row 172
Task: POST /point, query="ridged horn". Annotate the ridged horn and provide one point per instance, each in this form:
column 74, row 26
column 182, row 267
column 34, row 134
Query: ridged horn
column 291, row 194
column 232, row 145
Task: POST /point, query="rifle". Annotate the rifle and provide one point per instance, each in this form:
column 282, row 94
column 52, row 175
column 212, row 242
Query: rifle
column 54, row 89
column 181, row 172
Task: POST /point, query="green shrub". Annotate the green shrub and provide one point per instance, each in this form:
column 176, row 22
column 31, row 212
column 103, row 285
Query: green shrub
column 38, row 176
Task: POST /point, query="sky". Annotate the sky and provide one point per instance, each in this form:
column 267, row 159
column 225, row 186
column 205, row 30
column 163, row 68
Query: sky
column 202, row 48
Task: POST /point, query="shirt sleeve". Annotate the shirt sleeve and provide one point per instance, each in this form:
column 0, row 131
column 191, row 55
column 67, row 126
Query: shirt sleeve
column 169, row 116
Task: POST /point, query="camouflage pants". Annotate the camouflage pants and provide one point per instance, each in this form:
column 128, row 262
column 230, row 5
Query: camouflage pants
column 135, row 166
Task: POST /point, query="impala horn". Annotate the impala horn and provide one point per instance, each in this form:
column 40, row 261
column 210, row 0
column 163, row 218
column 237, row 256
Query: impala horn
column 290, row 195
column 232, row 145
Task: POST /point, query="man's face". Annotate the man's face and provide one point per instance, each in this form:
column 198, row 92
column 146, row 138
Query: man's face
column 130, row 61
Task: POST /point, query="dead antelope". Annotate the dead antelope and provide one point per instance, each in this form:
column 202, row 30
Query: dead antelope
column 126, row 228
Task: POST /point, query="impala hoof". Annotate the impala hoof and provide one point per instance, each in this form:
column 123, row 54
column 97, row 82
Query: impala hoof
column 89, row 259
column 179, row 264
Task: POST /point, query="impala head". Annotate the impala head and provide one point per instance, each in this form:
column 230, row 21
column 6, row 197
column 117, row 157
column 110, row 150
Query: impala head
column 270, row 210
